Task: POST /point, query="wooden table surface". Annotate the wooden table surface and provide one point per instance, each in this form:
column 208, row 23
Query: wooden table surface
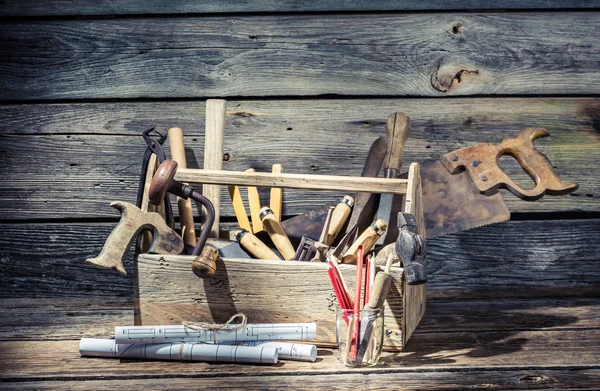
column 309, row 85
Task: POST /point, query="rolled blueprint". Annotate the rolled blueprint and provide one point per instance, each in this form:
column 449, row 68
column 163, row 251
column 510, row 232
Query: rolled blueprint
column 92, row 347
column 250, row 332
column 288, row 350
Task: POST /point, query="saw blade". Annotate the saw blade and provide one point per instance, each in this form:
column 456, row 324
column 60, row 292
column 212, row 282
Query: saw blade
column 452, row 203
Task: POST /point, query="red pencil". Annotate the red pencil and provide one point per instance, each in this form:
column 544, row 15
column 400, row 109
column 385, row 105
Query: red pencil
column 357, row 290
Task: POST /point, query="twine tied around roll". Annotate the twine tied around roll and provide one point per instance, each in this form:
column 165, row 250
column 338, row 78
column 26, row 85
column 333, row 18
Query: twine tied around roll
column 214, row 327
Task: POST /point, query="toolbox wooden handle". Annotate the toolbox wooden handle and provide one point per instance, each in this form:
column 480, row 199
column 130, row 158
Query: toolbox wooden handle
column 294, row 181
column 367, row 239
column 338, row 218
column 277, row 234
column 214, row 133
column 254, row 245
column 186, row 216
column 397, row 129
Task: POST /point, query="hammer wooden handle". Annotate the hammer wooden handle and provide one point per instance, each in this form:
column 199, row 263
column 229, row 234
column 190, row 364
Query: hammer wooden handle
column 367, row 239
column 186, row 216
column 338, row 218
column 397, row 129
column 277, row 234
column 255, row 246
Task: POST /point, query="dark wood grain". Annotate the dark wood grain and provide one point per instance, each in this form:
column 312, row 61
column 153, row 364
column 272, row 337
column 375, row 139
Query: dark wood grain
column 135, row 7
column 372, row 54
column 576, row 349
column 521, row 258
column 94, row 150
column 514, row 379
column 90, row 317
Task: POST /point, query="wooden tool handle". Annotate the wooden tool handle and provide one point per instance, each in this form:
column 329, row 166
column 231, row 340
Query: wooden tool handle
column 277, row 234
column 255, row 246
column 186, row 216
column 367, row 239
column 481, row 162
column 338, row 218
column 397, row 129
column 239, row 209
column 133, row 221
column 379, row 290
column 205, row 264
column 276, row 195
column 254, row 203
column 213, row 154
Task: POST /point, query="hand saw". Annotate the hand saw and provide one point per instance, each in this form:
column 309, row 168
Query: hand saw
column 460, row 191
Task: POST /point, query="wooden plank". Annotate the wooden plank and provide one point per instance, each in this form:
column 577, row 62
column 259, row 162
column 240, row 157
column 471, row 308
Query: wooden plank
column 433, row 54
column 446, row 351
column 214, row 135
column 293, row 181
column 76, row 317
column 515, row 379
column 136, row 7
column 513, row 259
column 169, row 293
column 96, row 148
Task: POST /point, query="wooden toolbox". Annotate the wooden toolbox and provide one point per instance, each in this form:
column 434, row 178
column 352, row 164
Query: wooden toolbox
column 167, row 292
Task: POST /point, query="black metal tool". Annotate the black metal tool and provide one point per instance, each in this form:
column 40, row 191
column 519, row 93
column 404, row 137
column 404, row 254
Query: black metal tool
column 411, row 248
column 154, row 139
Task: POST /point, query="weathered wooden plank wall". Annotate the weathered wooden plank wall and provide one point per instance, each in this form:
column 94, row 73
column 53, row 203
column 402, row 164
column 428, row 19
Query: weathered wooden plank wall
column 80, row 80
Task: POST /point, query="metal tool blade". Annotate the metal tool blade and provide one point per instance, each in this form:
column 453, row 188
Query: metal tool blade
column 346, row 241
column 452, row 203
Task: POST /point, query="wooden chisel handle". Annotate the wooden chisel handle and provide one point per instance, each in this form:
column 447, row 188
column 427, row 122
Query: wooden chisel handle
column 397, row 129
column 238, row 207
column 277, row 234
column 338, row 218
column 379, row 290
column 254, row 245
column 367, row 239
column 254, row 203
column 186, row 216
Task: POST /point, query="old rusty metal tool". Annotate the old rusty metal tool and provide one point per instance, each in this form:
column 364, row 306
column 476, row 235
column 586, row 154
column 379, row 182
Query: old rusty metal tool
column 154, row 139
column 453, row 198
column 311, row 249
column 336, row 253
column 397, row 128
column 204, row 265
column 133, row 221
column 411, row 248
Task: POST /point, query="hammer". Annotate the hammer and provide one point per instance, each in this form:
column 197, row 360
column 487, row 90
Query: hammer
column 204, row 265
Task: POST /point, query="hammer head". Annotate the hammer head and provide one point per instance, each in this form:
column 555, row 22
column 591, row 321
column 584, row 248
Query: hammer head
column 411, row 248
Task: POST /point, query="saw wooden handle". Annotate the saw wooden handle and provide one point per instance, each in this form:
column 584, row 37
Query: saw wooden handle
column 133, row 221
column 214, row 134
column 481, row 162
column 338, row 218
column 186, row 216
column 277, row 234
column 254, row 245
column 367, row 239
column 397, row 129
